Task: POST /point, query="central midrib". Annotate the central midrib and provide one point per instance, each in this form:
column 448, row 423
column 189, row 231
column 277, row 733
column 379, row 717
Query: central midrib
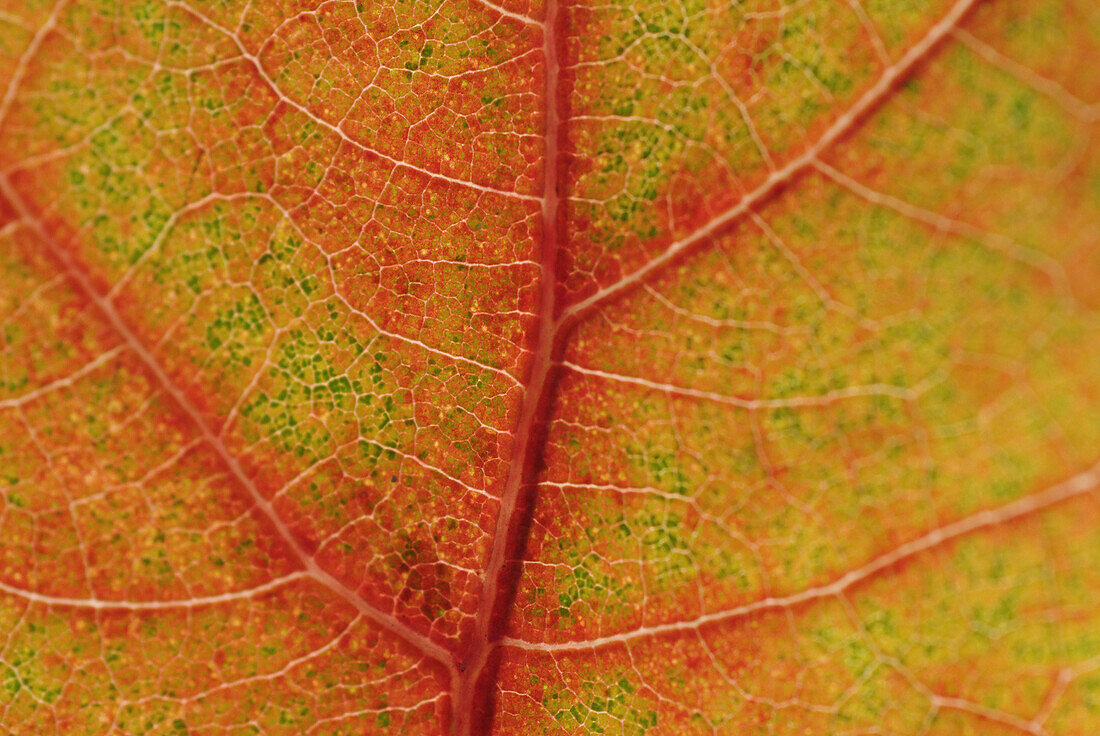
column 476, row 673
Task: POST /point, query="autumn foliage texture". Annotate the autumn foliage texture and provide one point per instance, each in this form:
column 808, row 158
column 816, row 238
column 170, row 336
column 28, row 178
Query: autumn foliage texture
column 487, row 366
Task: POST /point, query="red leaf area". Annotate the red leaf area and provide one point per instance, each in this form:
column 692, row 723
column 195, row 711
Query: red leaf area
column 475, row 367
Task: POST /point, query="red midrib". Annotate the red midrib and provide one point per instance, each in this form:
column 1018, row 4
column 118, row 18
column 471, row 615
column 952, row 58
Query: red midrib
column 477, row 676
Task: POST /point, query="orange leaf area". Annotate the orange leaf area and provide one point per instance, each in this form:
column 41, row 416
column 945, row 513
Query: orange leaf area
column 473, row 367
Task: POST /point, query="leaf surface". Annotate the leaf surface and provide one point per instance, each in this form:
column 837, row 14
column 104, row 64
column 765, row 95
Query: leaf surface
column 468, row 367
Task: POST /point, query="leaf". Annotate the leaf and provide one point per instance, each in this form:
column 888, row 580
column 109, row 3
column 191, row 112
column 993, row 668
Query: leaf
column 570, row 368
